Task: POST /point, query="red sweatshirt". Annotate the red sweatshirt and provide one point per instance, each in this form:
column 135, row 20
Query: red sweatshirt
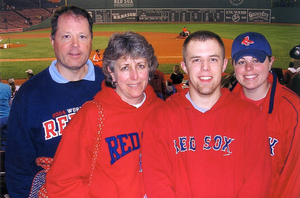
column 117, row 172
column 223, row 152
column 282, row 108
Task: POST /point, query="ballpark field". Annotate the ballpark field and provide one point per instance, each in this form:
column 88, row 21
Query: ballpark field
column 33, row 50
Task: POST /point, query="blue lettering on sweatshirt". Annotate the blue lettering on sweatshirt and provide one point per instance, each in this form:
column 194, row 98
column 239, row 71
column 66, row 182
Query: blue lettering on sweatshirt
column 121, row 145
column 217, row 143
column 273, row 142
column 185, row 144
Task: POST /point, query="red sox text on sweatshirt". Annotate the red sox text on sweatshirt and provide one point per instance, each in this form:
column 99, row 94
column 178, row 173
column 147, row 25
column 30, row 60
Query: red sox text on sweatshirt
column 223, row 152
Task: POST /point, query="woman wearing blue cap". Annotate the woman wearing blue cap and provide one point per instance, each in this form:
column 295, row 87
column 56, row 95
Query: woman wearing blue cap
column 252, row 61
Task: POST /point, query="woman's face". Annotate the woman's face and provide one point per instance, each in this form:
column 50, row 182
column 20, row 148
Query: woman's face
column 131, row 77
column 252, row 74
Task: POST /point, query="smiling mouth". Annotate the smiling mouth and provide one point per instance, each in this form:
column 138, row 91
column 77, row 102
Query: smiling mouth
column 205, row 78
column 134, row 85
column 251, row 76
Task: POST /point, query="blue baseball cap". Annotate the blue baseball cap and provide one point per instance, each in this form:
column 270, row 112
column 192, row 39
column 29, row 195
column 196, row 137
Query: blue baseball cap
column 250, row 44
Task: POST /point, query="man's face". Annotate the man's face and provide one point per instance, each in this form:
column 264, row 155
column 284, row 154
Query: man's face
column 204, row 65
column 73, row 42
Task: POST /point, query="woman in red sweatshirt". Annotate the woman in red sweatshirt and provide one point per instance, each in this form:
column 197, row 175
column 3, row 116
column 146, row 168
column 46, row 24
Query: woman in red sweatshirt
column 99, row 156
column 252, row 62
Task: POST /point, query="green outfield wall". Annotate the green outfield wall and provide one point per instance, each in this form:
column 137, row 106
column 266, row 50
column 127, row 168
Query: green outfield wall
column 286, row 15
column 237, row 11
column 113, row 4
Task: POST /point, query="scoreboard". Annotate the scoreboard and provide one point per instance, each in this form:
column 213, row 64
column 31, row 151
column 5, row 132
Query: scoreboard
column 181, row 15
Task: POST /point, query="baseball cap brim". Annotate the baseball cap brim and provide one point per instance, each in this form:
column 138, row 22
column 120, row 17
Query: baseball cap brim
column 260, row 55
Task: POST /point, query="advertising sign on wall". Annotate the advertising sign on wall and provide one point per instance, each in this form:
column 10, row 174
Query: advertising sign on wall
column 236, row 16
column 124, row 16
column 259, row 15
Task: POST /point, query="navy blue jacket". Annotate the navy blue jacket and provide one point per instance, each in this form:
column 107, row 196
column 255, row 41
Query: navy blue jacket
column 40, row 111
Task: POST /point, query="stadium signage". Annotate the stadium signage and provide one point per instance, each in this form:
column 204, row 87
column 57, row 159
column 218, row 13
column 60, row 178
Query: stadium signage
column 182, row 15
column 259, row 15
column 236, row 16
column 123, row 3
column 123, row 16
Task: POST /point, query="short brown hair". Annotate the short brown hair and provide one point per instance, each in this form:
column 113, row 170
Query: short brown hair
column 70, row 9
column 202, row 36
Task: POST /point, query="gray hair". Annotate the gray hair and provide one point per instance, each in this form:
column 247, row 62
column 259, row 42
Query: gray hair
column 127, row 45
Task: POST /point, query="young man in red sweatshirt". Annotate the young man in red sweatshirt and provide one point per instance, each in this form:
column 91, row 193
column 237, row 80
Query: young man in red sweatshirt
column 212, row 143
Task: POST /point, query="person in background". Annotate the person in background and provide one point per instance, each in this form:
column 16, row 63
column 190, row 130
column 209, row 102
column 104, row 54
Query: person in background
column 295, row 56
column 295, row 81
column 252, row 61
column 211, row 143
column 46, row 103
column 279, row 73
column 97, row 58
column 170, row 89
column 29, row 73
column 125, row 100
column 184, row 33
column 158, row 83
column 5, row 94
column 295, row 85
column 177, row 77
column 288, row 75
column 228, row 80
column 14, row 89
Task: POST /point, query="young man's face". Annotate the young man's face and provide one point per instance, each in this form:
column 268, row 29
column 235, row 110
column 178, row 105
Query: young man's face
column 251, row 73
column 204, row 65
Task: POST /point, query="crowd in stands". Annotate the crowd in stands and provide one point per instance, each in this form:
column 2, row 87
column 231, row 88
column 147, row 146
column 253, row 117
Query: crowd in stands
column 24, row 14
column 23, row 18
column 27, row 4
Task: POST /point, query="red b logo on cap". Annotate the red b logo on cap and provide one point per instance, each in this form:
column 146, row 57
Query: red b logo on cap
column 246, row 41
